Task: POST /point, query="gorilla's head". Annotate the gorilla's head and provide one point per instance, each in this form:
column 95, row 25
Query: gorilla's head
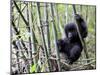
column 71, row 32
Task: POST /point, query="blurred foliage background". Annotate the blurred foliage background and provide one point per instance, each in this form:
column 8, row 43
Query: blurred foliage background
column 35, row 29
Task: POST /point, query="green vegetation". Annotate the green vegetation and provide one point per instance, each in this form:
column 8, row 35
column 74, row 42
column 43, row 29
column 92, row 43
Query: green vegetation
column 39, row 26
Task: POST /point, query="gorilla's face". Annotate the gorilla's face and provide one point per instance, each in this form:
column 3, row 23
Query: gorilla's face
column 72, row 33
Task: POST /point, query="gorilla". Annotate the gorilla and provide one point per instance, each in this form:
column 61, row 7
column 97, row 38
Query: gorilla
column 71, row 45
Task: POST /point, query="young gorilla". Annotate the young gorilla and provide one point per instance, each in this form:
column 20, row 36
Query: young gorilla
column 71, row 46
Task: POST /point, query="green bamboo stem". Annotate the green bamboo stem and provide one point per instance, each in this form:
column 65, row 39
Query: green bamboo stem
column 58, row 21
column 32, row 36
column 42, row 34
column 81, row 39
column 48, row 32
column 55, row 37
column 47, row 24
column 66, row 14
column 18, row 9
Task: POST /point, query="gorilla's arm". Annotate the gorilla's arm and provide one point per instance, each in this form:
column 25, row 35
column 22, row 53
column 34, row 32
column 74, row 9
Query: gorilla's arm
column 82, row 25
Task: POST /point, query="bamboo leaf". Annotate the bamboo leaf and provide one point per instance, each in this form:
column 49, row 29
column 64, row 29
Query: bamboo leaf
column 33, row 68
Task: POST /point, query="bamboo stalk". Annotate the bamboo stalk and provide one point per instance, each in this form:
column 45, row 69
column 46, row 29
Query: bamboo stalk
column 48, row 32
column 32, row 37
column 55, row 37
column 15, row 28
column 42, row 34
column 81, row 39
column 81, row 8
column 21, row 11
column 87, row 14
column 18, row 44
column 47, row 27
column 66, row 14
column 18, row 9
column 58, row 21
column 24, row 57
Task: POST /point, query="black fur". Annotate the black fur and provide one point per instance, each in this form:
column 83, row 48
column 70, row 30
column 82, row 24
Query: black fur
column 71, row 45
